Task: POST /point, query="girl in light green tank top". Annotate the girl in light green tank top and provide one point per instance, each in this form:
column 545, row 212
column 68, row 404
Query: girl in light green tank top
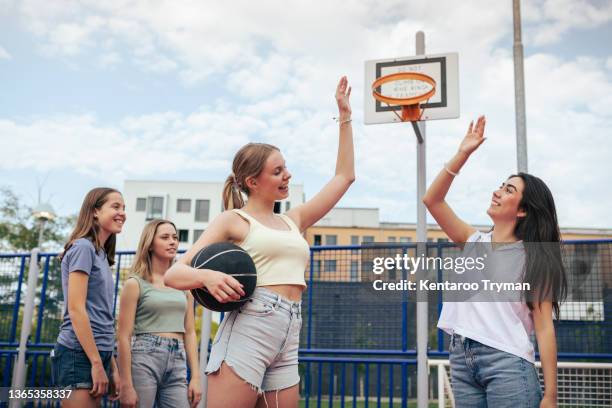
column 156, row 335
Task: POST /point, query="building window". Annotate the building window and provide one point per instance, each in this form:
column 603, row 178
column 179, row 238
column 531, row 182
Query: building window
column 442, row 239
column 331, row 240
column 287, row 206
column 316, row 268
column 183, row 235
column 354, row 270
column 155, row 208
column 317, row 240
column 330, row 265
column 141, row 204
column 405, row 239
column 368, row 239
column 196, row 234
column 183, row 205
column 391, row 239
column 354, row 239
column 201, row 210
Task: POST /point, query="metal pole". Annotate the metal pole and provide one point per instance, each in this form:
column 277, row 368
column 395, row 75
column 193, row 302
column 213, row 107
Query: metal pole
column 41, row 230
column 519, row 90
column 26, row 327
column 204, row 338
column 421, row 236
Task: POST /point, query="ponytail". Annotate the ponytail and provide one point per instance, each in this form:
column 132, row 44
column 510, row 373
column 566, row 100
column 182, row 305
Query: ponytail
column 232, row 197
column 249, row 161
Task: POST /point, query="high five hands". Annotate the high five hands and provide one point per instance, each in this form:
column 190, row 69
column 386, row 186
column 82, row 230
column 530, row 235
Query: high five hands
column 474, row 137
column 343, row 93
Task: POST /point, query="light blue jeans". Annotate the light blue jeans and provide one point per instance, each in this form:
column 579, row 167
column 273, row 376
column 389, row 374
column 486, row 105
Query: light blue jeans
column 159, row 371
column 482, row 376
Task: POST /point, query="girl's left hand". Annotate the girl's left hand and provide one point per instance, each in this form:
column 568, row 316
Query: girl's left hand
column 194, row 392
column 343, row 92
column 548, row 402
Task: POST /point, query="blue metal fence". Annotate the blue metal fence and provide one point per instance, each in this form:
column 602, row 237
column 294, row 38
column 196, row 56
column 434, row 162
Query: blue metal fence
column 352, row 347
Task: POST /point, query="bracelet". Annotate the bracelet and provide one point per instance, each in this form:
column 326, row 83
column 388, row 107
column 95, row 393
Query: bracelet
column 343, row 122
column 449, row 171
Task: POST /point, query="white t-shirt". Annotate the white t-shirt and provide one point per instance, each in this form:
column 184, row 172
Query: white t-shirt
column 506, row 326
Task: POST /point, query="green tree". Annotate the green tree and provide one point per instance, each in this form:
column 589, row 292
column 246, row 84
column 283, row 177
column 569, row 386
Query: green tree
column 19, row 231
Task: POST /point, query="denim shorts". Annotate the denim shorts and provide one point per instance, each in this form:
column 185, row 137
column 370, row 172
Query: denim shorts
column 72, row 368
column 159, row 371
column 482, row 376
column 260, row 342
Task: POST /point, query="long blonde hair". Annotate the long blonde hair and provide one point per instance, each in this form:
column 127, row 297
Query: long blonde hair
column 143, row 264
column 87, row 225
column 248, row 162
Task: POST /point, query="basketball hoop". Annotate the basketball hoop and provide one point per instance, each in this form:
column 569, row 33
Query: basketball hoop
column 411, row 105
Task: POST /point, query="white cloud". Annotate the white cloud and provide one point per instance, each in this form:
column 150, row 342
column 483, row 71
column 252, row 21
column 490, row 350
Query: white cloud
column 275, row 69
column 557, row 17
column 4, row 54
column 110, row 59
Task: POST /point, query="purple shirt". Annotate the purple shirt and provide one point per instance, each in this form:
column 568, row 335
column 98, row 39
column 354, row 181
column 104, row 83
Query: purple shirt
column 82, row 256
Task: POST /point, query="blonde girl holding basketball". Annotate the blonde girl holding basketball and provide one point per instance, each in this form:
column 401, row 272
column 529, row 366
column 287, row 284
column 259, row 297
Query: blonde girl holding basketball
column 254, row 357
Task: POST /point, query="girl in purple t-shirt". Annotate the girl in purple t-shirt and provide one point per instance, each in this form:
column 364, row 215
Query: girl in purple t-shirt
column 82, row 358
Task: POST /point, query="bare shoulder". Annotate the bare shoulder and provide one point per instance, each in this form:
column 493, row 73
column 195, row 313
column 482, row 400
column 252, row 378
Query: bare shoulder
column 131, row 288
column 294, row 215
column 237, row 227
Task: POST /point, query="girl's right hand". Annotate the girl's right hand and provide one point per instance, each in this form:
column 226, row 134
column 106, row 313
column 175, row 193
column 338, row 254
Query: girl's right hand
column 474, row 137
column 222, row 286
column 129, row 399
column 100, row 380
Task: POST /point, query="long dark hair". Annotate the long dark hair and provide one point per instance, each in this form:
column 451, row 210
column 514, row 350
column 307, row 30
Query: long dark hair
column 539, row 230
column 87, row 226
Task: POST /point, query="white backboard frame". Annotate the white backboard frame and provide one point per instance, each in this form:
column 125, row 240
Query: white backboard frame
column 443, row 68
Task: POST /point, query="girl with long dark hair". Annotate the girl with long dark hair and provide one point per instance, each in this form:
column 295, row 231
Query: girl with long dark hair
column 491, row 354
column 82, row 358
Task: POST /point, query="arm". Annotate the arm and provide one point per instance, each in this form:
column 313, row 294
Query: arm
column 191, row 348
column 547, row 344
column 223, row 287
column 434, row 199
column 127, row 313
column 77, row 295
column 313, row 210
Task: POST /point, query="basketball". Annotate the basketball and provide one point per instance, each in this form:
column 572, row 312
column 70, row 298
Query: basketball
column 230, row 259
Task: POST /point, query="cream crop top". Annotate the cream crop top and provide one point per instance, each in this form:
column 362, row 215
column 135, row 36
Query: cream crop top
column 280, row 256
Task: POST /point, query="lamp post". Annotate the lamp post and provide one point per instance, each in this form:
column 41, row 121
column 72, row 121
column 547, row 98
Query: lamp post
column 42, row 213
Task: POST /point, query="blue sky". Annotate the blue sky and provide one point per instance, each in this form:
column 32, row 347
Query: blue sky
column 93, row 94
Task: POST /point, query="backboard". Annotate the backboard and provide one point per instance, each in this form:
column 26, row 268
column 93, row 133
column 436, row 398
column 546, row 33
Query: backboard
column 443, row 104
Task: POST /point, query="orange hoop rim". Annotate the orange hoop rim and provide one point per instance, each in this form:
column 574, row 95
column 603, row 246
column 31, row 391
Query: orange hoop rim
column 398, row 76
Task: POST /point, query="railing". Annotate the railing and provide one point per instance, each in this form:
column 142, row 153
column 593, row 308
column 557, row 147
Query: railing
column 354, row 350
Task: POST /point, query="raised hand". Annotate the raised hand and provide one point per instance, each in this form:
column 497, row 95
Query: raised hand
column 474, row 136
column 343, row 93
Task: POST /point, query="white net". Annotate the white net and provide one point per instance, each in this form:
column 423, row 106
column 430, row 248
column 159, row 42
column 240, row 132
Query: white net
column 578, row 384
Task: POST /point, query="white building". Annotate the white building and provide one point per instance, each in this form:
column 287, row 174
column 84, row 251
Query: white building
column 189, row 205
